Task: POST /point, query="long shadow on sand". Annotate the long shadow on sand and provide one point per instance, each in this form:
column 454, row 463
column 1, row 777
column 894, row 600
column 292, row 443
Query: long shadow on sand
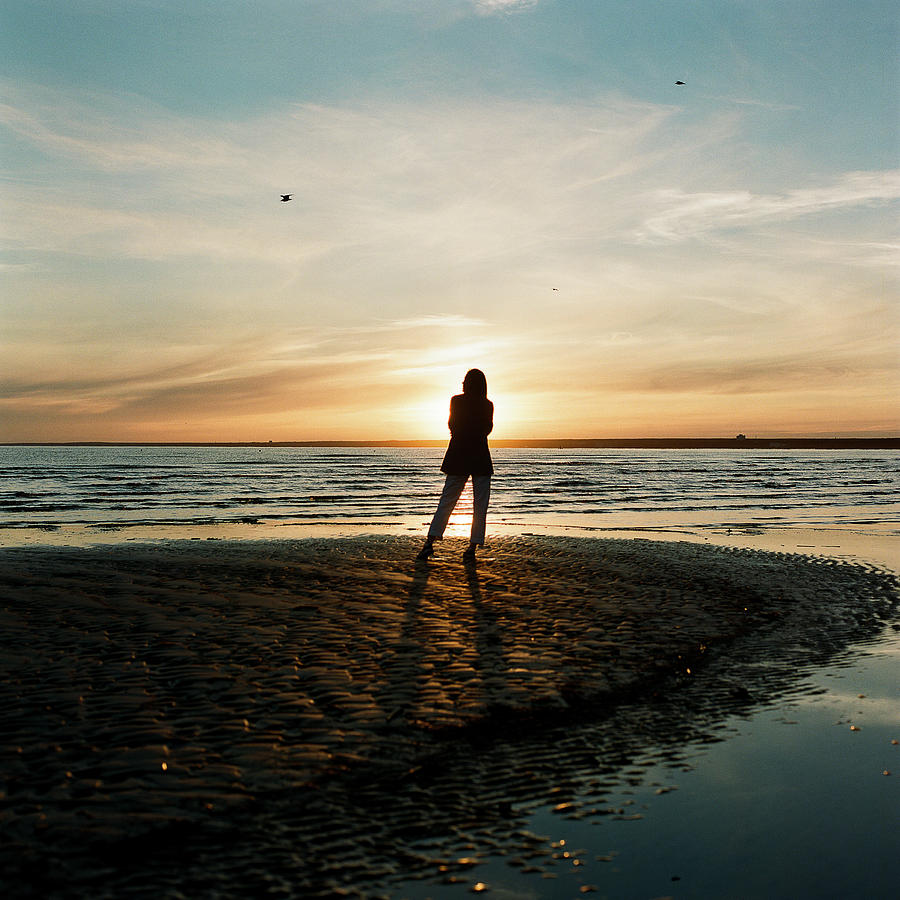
column 492, row 663
column 404, row 658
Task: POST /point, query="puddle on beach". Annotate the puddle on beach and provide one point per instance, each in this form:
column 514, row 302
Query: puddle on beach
column 784, row 800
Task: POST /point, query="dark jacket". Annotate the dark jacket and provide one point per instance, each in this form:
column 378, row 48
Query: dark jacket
column 471, row 421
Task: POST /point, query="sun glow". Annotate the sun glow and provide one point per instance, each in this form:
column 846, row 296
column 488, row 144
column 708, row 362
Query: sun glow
column 440, row 375
column 434, row 411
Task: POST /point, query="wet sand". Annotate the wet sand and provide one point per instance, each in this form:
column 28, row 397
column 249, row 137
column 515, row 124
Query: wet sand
column 205, row 717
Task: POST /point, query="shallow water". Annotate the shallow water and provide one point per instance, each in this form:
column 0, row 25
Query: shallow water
column 780, row 801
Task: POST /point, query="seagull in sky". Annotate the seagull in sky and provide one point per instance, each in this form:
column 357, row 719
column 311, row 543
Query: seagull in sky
column 286, row 197
column 679, row 82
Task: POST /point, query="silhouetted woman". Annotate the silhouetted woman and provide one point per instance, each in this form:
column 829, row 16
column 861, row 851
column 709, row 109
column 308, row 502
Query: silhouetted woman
column 471, row 421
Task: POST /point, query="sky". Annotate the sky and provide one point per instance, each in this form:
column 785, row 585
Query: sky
column 514, row 185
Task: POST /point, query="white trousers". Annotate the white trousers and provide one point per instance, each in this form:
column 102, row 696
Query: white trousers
column 453, row 487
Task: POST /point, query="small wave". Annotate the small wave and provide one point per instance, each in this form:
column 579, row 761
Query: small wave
column 40, row 507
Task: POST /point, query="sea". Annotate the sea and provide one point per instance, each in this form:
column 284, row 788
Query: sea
column 104, row 488
column 794, row 797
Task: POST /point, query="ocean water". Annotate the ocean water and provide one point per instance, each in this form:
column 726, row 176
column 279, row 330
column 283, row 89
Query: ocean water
column 106, row 487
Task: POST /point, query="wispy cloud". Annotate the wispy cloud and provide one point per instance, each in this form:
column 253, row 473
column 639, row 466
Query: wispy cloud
column 684, row 215
column 491, row 7
column 452, row 184
column 769, row 105
column 389, row 185
column 428, row 321
column 111, row 131
column 289, row 374
column 424, row 238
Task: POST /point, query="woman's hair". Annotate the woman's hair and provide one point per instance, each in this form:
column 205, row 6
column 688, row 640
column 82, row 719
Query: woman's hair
column 475, row 383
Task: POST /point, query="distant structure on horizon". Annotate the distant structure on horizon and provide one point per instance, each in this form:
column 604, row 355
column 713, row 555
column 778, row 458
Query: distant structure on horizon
column 740, row 437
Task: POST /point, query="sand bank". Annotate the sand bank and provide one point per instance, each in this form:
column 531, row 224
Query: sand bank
column 204, row 716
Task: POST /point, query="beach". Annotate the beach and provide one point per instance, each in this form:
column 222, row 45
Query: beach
column 199, row 718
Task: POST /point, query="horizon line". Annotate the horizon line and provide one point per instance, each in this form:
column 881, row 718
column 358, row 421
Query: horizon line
column 883, row 442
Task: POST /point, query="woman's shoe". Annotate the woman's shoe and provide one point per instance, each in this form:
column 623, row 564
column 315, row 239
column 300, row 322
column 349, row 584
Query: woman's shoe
column 426, row 551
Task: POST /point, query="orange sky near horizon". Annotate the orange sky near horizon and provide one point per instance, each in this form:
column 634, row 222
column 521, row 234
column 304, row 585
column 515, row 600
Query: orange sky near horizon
column 368, row 400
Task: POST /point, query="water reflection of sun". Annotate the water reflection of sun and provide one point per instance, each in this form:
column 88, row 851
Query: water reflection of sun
column 460, row 523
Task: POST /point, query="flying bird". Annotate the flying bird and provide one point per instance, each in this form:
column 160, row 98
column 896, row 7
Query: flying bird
column 679, row 82
column 286, row 197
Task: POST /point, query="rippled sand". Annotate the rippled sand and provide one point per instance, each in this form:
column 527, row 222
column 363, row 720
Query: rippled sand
column 204, row 718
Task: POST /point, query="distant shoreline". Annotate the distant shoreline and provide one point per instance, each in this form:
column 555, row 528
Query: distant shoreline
column 548, row 444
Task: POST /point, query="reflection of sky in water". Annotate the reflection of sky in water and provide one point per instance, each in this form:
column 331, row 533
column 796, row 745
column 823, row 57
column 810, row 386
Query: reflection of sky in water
column 787, row 802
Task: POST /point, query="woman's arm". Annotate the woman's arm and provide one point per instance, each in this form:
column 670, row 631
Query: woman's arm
column 469, row 420
column 454, row 421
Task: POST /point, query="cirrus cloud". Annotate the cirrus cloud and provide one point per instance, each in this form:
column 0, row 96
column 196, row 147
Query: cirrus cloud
column 683, row 215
